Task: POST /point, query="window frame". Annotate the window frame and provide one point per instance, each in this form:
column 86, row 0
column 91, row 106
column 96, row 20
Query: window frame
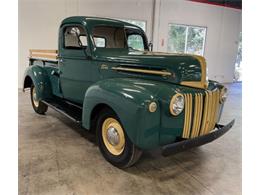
column 142, row 35
column 187, row 26
column 63, row 39
column 104, row 25
column 101, row 38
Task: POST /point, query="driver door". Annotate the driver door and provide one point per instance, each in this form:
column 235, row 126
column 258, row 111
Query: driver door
column 75, row 66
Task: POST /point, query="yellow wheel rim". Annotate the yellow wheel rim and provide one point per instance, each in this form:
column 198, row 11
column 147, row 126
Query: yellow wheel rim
column 113, row 136
column 35, row 99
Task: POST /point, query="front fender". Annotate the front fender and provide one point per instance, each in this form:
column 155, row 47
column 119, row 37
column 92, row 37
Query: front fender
column 130, row 101
column 39, row 77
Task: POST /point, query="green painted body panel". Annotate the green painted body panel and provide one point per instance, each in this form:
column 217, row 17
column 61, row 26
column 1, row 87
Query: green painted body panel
column 183, row 67
column 130, row 97
column 87, row 78
column 40, row 79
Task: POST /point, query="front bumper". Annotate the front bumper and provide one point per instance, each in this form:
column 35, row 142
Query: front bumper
column 198, row 141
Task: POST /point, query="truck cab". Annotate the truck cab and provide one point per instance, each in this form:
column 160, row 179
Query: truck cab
column 104, row 77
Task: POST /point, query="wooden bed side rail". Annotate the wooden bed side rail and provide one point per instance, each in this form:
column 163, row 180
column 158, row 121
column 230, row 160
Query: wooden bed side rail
column 40, row 53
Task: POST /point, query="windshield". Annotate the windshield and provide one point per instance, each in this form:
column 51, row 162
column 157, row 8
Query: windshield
column 120, row 38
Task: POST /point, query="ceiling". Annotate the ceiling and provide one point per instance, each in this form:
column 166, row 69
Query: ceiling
column 237, row 4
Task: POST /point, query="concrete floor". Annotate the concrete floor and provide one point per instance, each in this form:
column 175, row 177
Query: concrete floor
column 58, row 157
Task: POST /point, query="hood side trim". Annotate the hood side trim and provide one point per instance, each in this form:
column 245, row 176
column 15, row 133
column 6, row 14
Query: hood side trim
column 137, row 70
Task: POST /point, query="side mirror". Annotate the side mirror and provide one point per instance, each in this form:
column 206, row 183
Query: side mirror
column 150, row 46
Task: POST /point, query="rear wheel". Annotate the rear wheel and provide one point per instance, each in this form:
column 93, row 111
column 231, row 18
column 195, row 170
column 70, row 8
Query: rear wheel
column 37, row 105
column 113, row 142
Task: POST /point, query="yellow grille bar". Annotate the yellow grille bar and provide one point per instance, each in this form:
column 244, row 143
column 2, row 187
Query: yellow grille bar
column 214, row 109
column 217, row 106
column 197, row 115
column 188, row 112
column 201, row 118
column 208, row 114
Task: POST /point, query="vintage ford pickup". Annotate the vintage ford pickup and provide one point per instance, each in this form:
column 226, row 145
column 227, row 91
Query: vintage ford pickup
column 104, row 77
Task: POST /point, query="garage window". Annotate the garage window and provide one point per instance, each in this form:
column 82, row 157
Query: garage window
column 186, row 39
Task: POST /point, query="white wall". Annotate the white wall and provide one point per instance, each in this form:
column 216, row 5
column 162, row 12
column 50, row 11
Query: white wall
column 223, row 28
column 39, row 21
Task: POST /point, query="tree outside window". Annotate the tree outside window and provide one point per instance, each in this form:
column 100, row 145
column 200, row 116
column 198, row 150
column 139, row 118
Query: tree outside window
column 186, row 39
column 238, row 64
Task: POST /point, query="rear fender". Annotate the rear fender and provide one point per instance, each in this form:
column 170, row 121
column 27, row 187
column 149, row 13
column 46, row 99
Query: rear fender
column 37, row 76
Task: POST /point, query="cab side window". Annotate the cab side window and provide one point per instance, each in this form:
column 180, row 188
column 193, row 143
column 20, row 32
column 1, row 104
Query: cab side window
column 75, row 38
column 135, row 41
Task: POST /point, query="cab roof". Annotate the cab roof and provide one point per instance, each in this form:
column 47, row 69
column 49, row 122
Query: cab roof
column 93, row 21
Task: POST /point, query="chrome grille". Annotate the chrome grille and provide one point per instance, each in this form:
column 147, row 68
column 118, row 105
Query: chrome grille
column 200, row 113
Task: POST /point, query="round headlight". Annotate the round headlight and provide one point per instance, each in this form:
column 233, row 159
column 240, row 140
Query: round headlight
column 177, row 104
column 223, row 95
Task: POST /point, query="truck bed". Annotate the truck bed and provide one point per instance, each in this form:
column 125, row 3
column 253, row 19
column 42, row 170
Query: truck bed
column 47, row 59
column 50, row 55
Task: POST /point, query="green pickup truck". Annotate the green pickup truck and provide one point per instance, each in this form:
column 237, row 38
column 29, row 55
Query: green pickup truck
column 104, row 77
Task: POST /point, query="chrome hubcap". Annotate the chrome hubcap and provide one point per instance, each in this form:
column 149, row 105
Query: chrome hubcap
column 112, row 136
column 35, row 99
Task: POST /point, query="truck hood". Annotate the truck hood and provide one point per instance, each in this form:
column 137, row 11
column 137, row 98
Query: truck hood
column 189, row 70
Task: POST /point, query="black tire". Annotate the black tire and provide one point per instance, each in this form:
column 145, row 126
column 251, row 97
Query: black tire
column 130, row 153
column 39, row 108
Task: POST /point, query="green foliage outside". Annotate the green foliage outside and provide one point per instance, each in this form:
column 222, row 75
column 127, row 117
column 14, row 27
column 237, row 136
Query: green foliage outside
column 239, row 52
column 195, row 40
column 186, row 39
column 238, row 64
column 176, row 41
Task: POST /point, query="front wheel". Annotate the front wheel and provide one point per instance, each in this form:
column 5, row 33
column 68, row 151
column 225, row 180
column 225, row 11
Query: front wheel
column 37, row 105
column 113, row 142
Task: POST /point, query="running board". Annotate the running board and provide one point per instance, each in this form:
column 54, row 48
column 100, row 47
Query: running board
column 72, row 114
